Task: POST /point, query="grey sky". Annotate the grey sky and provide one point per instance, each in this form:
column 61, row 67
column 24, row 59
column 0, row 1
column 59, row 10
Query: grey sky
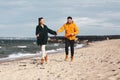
column 94, row 17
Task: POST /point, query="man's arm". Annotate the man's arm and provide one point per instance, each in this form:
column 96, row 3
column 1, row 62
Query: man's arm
column 76, row 30
column 61, row 29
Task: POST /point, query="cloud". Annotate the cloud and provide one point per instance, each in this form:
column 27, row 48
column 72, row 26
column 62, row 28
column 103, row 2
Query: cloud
column 110, row 15
column 90, row 22
column 85, row 21
column 30, row 24
column 96, row 3
column 26, row 29
column 13, row 3
column 17, row 15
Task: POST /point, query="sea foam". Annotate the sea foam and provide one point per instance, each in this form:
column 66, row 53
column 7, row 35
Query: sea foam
column 22, row 46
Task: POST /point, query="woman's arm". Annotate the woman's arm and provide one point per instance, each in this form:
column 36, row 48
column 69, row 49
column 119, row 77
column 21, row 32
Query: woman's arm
column 37, row 32
column 52, row 32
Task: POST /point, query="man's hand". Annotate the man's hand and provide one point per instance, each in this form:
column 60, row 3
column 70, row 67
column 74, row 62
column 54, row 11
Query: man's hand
column 72, row 34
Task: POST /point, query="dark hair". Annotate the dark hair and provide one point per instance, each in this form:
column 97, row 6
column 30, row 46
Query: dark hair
column 39, row 19
column 69, row 17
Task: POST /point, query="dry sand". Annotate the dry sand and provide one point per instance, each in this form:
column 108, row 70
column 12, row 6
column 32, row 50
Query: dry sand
column 99, row 61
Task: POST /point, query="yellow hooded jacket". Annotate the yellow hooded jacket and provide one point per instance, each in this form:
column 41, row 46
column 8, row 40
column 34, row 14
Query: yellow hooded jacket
column 69, row 29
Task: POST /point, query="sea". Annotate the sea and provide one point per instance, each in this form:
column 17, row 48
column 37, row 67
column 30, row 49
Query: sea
column 14, row 48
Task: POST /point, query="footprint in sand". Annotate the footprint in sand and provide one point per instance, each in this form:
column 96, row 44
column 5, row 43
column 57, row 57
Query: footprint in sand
column 34, row 61
column 38, row 78
column 113, row 70
column 5, row 64
column 59, row 75
column 23, row 65
column 118, row 62
column 23, row 62
column 111, row 63
column 118, row 78
column 114, row 78
column 42, row 68
column 115, row 74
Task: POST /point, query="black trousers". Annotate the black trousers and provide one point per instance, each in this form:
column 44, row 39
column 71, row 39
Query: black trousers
column 69, row 43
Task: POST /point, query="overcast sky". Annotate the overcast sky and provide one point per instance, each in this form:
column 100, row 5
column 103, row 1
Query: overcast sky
column 18, row 18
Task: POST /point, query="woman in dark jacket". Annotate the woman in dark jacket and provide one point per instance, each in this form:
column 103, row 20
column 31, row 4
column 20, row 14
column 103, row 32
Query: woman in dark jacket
column 42, row 37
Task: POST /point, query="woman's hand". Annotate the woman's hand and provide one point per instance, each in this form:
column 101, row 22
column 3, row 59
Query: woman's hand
column 37, row 35
column 57, row 32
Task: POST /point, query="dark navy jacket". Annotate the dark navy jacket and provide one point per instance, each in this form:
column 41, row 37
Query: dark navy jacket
column 43, row 34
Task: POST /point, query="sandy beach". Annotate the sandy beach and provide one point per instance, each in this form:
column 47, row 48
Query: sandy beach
column 98, row 61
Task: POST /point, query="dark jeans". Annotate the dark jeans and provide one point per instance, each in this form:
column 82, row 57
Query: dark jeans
column 71, row 44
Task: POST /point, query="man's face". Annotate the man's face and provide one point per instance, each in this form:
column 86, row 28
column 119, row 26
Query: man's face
column 69, row 21
column 42, row 21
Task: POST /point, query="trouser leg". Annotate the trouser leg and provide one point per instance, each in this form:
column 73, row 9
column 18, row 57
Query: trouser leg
column 72, row 47
column 66, row 46
column 43, row 51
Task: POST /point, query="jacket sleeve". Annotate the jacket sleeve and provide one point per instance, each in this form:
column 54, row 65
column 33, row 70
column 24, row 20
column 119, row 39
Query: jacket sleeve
column 61, row 29
column 76, row 30
column 37, row 31
column 51, row 31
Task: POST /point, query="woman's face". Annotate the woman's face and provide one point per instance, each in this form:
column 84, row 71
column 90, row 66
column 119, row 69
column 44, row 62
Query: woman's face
column 42, row 21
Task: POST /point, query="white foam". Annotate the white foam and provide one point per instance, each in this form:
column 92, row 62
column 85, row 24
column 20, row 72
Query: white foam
column 51, row 51
column 34, row 42
column 0, row 47
column 80, row 45
column 22, row 46
column 60, row 49
column 21, row 55
column 18, row 55
column 56, row 44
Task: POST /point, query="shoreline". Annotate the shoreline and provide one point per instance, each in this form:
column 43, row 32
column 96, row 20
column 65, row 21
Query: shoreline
column 3, row 60
column 99, row 61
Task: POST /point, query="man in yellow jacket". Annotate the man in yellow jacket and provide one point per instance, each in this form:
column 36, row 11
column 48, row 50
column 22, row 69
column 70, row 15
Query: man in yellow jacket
column 71, row 30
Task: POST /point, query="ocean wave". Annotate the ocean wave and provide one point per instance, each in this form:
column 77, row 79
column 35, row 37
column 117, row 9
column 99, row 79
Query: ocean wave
column 79, row 45
column 0, row 47
column 22, row 55
column 34, row 43
column 60, row 49
column 51, row 51
column 22, row 46
column 56, row 44
column 15, row 56
column 18, row 55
